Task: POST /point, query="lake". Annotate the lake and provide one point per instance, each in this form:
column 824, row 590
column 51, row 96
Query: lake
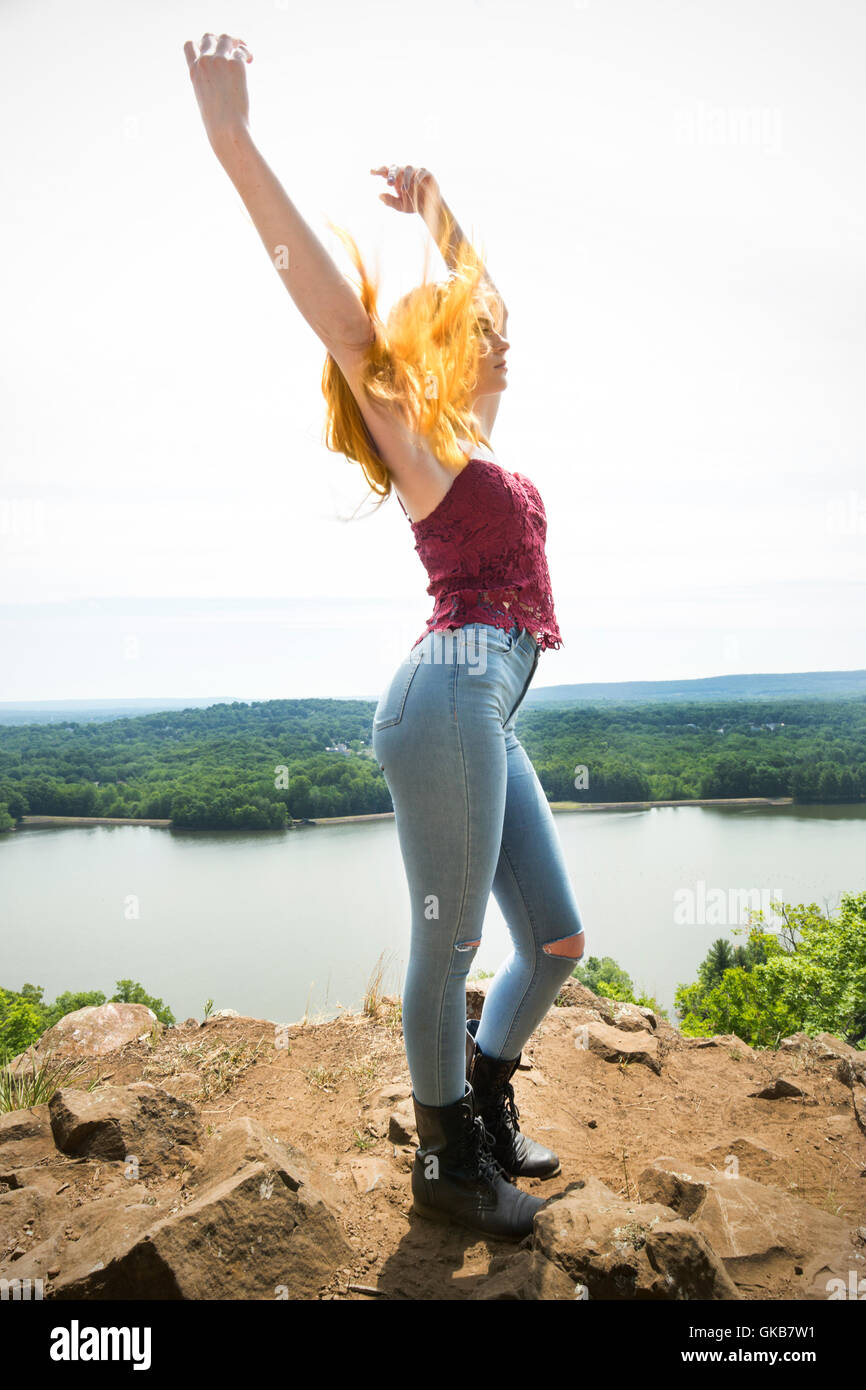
column 276, row 925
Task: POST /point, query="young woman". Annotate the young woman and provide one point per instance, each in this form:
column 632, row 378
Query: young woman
column 413, row 401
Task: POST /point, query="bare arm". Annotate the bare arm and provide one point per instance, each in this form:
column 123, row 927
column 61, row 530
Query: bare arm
column 321, row 292
column 317, row 285
column 417, row 190
column 441, row 221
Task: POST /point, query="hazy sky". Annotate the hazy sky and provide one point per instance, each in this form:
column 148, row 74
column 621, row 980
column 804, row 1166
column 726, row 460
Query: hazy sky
column 672, row 200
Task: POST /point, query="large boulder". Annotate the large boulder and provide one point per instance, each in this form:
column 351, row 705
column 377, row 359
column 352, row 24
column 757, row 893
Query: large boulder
column 621, row 1249
column 255, row 1227
column 90, row 1032
column 766, row 1238
column 139, row 1122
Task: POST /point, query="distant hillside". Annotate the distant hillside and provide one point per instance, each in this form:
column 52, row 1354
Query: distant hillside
column 260, row 765
column 88, row 711
column 772, row 686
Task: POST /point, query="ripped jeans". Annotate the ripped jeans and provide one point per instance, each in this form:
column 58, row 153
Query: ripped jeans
column 471, row 816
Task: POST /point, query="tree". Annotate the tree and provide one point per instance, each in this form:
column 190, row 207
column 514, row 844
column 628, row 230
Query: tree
column 809, row 977
column 131, row 992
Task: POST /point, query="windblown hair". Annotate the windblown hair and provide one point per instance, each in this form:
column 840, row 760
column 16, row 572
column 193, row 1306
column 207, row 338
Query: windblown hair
column 422, row 363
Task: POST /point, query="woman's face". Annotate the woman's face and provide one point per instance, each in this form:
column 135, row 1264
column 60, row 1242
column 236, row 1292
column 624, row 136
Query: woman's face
column 492, row 371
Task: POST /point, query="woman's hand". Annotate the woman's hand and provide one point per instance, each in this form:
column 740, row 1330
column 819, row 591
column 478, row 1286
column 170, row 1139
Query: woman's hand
column 416, row 190
column 220, row 83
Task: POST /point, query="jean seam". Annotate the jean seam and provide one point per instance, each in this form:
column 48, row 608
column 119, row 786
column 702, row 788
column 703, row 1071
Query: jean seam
column 455, row 937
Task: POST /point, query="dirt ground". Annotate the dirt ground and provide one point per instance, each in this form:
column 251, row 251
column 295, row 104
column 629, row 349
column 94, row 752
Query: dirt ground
column 315, row 1085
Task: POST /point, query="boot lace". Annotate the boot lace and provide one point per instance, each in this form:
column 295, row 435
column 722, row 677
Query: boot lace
column 505, row 1112
column 479, row 1144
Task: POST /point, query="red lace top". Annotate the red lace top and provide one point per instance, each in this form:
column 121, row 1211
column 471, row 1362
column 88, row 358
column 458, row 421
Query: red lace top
column 483, row 548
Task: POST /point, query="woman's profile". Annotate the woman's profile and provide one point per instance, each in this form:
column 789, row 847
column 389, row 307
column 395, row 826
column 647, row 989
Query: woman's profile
column 413, row 401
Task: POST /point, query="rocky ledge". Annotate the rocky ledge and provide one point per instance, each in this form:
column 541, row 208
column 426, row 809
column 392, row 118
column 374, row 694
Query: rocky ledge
column 240, row 1158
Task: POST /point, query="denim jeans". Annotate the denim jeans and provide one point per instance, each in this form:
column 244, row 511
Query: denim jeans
column 471, row 816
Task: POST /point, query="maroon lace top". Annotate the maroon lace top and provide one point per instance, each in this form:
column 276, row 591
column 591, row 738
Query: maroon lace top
column 483, row 548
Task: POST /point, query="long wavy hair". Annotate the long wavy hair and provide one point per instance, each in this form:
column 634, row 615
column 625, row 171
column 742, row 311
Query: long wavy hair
column 423, row 362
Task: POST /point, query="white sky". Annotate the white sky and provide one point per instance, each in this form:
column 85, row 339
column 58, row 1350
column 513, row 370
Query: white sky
column 672, row 200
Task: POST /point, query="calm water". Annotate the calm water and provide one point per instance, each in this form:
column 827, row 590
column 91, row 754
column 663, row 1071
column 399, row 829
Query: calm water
column 273, row 924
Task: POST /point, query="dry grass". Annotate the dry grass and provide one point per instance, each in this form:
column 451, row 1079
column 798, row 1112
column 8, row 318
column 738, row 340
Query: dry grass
column 36, row 1083
column 218, row 1065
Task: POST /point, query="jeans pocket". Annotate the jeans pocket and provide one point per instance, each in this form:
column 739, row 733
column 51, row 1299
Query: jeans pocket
column 392, row 701
column 493, row 639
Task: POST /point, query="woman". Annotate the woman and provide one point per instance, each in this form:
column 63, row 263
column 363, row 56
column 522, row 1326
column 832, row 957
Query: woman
column 405, row 399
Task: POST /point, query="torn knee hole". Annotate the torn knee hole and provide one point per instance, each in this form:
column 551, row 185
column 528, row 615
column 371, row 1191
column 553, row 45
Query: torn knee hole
column 570, row 946
column 467, row 945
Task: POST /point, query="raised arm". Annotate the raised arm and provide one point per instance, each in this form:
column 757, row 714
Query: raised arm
column 417, row 190
column 320, row 290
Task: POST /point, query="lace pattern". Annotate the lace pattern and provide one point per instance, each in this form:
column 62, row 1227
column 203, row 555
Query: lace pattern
column 483, row 548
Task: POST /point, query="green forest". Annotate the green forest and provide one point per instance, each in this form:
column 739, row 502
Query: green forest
column 266, row 764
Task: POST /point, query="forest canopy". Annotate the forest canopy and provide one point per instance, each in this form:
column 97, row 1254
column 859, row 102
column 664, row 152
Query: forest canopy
column 264, row 764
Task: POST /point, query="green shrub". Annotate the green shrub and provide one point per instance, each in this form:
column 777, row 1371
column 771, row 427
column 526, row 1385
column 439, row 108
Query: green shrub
column 808, row 977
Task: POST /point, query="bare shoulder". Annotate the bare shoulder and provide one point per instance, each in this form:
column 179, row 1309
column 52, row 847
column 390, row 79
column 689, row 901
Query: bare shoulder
column 419, row 478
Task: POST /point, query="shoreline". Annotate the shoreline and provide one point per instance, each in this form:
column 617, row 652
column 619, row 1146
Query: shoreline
column 36, row 822
column 695, row 801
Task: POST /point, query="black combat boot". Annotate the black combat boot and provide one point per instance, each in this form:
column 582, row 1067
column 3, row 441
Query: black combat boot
column 456, row 1179
column 490, row 1079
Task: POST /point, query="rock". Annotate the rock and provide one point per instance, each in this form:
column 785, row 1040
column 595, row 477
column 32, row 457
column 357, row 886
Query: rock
column 222, row 1013
column 577, row 1014
column 25, row 1138
column 730, row 1040
column 858, row 1097
column 687, row 1260
column 801, row 1043
column 261, row 1233
column 391, row 1096
column 91, row 1032
column 401, row 1125
column 622, row 1249
column 779, row 1089
column 668, row 1034
column 575, row 995
column 759, row 1232
column 838, row 1050
column 613, row 1045
column 238, row 1143
column 632, row 1018
column 674, row 1188
column 118, row 1123
column 527, row 1275
column 369, row 1172
column 27, row 1215
column 825, row 1047
column 392, row 1113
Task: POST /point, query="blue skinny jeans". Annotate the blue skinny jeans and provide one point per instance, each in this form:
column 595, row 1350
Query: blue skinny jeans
column 471, row 816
